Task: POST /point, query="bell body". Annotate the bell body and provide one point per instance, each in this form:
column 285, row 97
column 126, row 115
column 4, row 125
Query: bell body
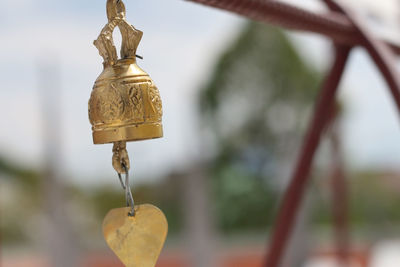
column 125, row 104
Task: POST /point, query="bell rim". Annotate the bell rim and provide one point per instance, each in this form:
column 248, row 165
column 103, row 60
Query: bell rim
column 128, row 133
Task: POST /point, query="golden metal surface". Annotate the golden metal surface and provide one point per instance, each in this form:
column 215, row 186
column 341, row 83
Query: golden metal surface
column 138, row 240
column 120, row 157
column 125, row 104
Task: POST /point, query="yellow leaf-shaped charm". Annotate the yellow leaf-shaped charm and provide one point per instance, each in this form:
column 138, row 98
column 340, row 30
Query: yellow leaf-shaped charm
column 137, row 240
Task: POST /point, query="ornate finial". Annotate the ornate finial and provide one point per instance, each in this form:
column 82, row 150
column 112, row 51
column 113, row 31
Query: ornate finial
column 130, row 36
column 115, row 8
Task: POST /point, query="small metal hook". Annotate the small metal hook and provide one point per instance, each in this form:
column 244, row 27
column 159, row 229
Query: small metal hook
column 128, row 193
column 122, row 182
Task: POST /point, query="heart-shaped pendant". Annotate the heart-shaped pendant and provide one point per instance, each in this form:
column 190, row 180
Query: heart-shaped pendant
column 136, row 240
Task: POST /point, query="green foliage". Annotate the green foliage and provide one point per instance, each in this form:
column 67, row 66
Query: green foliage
column 373, row 209
column 375, row 200
column 245, row 203
column 106, row 198
column 24, row 184
column 167, row 196
column 261, row 59
column 12, row 234
column 254, row 107
column 24, row 176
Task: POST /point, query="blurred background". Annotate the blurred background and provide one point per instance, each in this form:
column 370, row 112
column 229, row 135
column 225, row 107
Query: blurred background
column 237, row 97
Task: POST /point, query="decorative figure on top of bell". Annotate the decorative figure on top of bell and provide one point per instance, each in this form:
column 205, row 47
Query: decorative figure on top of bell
column 125, row 104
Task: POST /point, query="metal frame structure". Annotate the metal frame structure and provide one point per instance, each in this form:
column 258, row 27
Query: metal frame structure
column 346, row 31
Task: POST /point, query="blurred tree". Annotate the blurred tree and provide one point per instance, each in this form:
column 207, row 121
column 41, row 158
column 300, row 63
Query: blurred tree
column 254, row 109
column 374, row 201
column 19, row 190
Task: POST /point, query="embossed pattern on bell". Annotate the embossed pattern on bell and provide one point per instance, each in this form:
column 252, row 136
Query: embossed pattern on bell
column 125, row 104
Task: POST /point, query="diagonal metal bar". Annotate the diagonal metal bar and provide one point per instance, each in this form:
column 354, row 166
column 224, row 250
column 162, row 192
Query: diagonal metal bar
column 339, row 192
column 295, row 191
column 331, row 24
column 340, row 202
column 381, row 53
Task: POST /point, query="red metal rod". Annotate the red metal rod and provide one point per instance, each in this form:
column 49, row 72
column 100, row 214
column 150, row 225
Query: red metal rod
column 295, row 191
column 340, row 203
column 340, row 216
column 334, row 25
column 381, row 53
column 384, row 59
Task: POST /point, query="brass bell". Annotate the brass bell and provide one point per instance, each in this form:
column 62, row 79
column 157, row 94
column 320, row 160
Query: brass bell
column 125, row 104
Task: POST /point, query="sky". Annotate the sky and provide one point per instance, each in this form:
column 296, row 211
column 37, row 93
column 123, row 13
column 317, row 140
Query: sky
column 180, row 46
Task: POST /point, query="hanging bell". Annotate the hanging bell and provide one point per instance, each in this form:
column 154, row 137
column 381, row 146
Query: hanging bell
column 125, row 104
